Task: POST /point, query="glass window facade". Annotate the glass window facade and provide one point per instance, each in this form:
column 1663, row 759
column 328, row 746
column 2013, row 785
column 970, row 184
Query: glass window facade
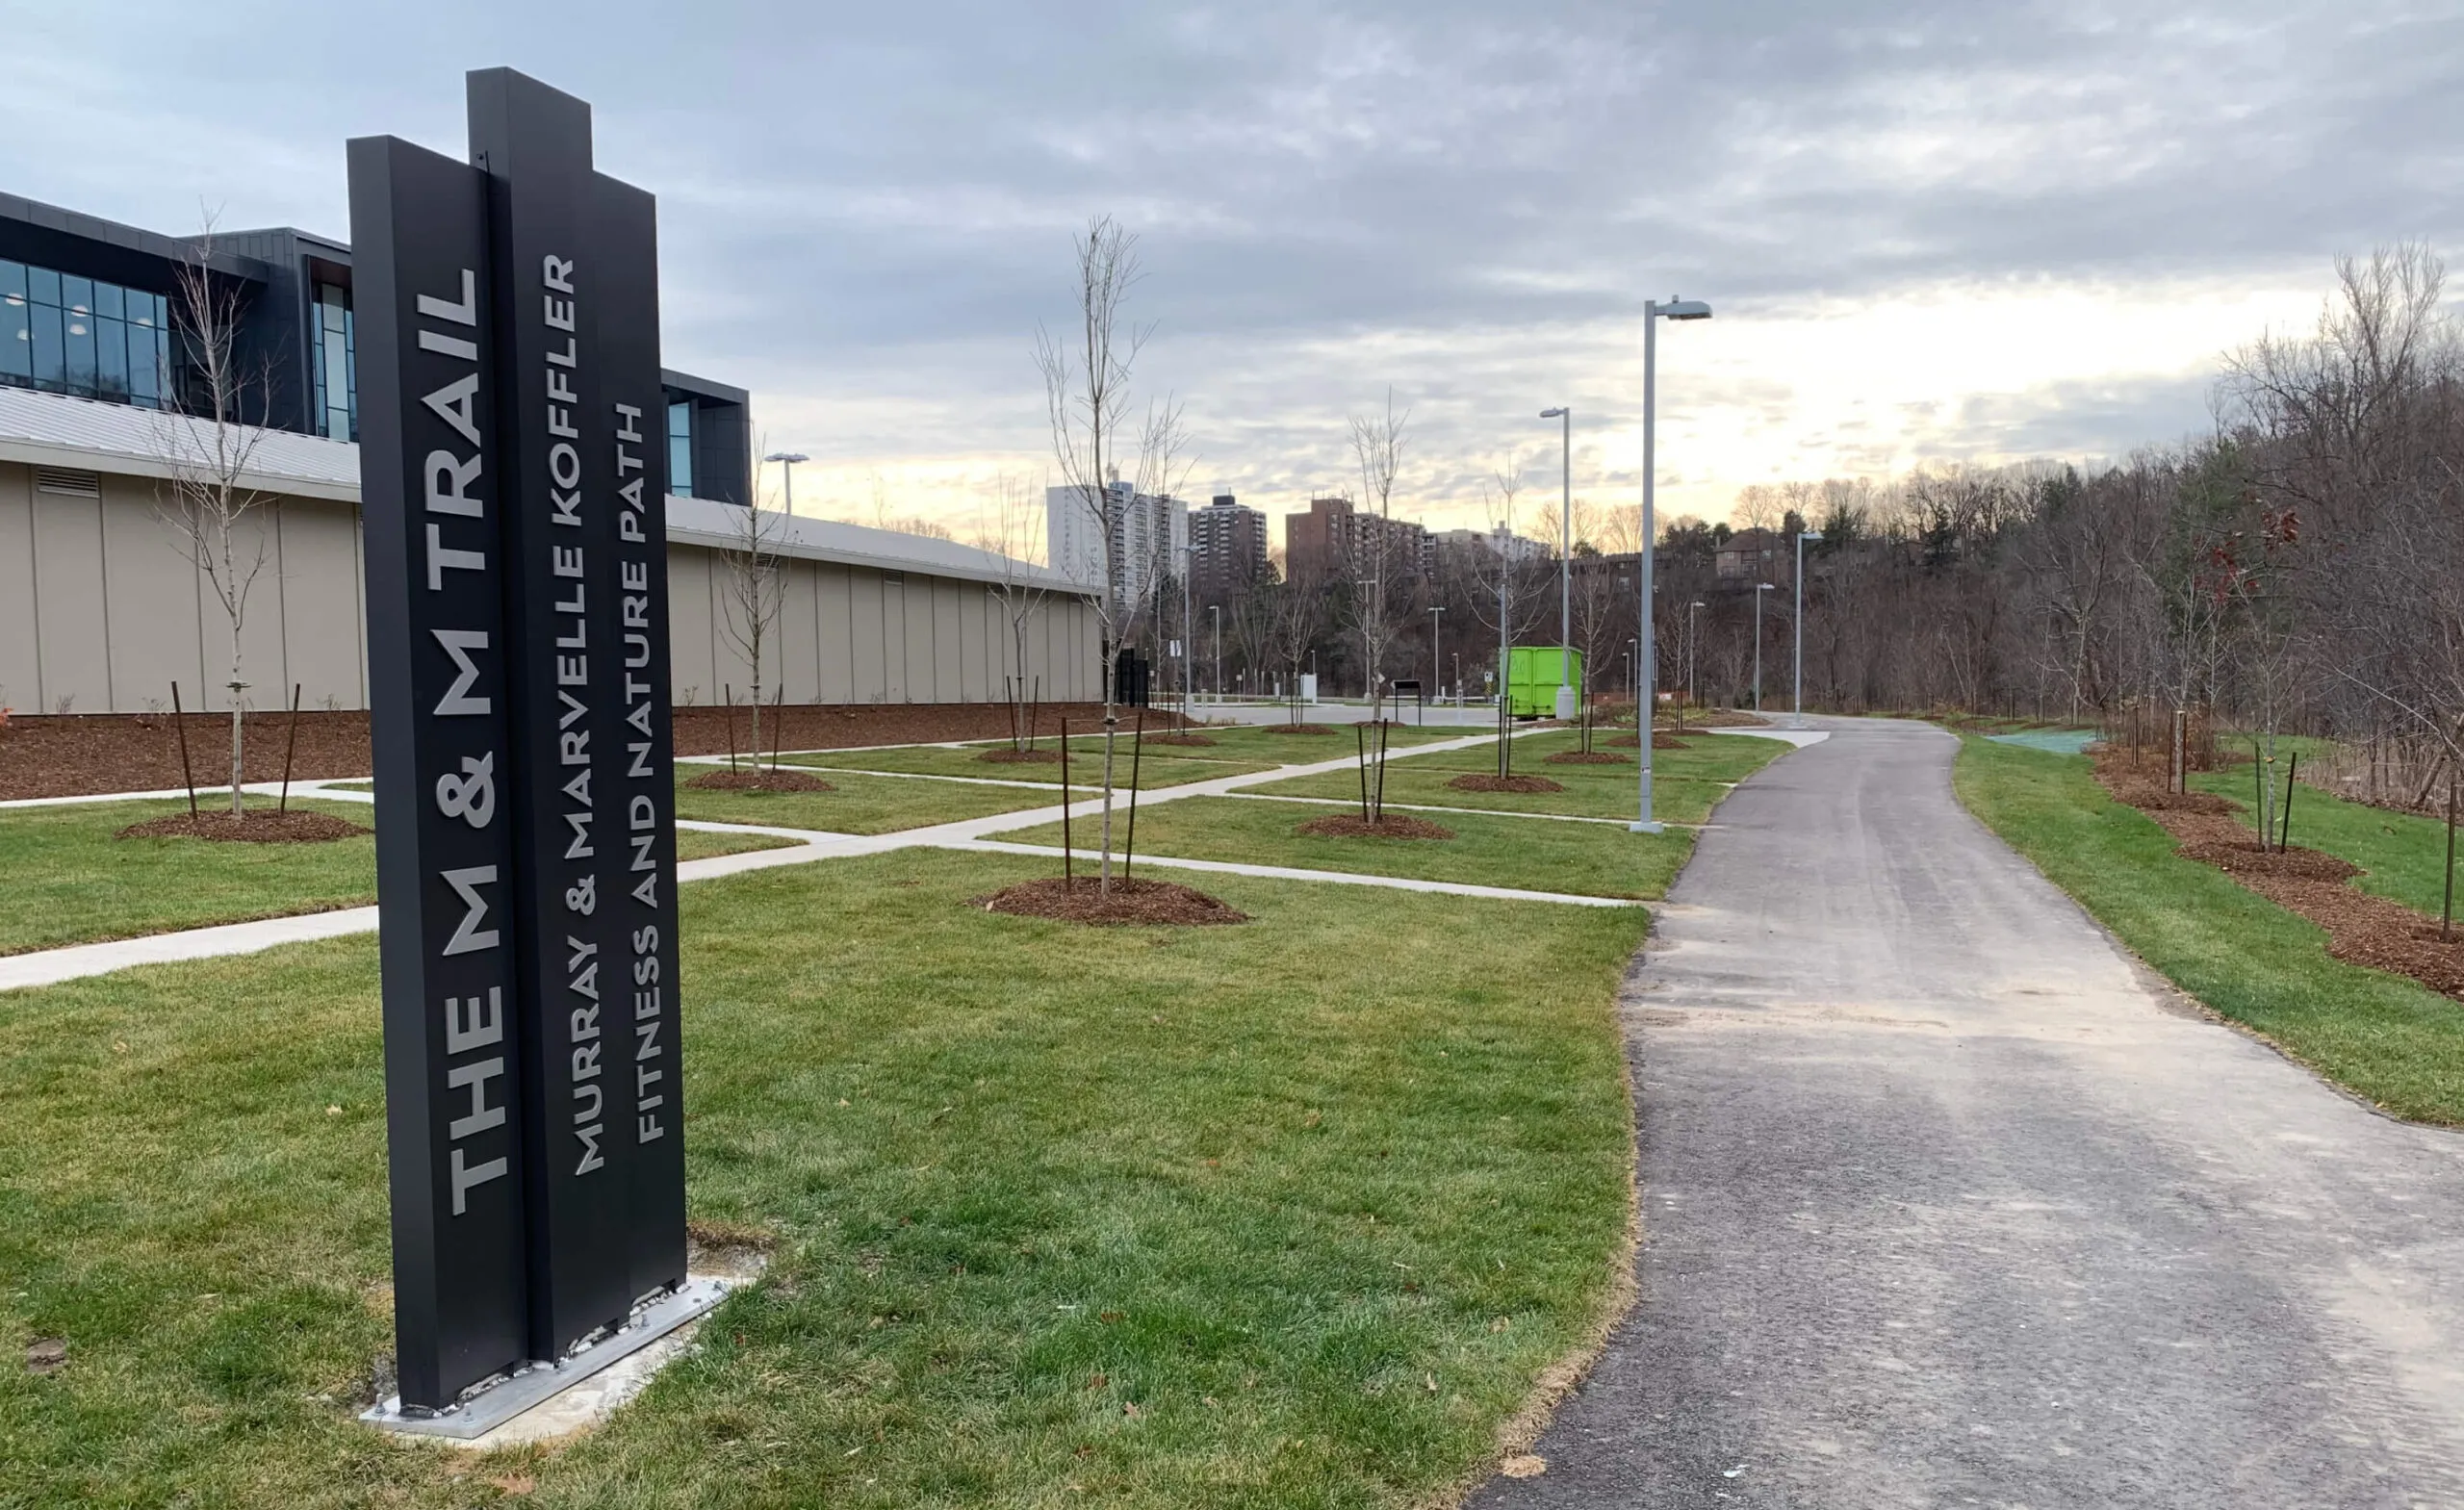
column 69, row 335
column 680, row 447
column 336, row 363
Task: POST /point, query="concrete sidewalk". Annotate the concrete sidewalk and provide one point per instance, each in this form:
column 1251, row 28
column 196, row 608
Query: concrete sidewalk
column 1947, row 1202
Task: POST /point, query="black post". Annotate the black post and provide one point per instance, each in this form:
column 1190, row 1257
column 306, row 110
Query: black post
column 2259, row 806
column 1136, row 749
column 2292, row 769
column 726, row 698
column 1360, row 749
column 180, row 727
column 2447, row 904
column 290, row 746
column 1069, row 880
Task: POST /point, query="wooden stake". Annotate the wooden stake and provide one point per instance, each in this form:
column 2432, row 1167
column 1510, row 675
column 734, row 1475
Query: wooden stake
column 1360, row 747
column 180, row 721
column 2259, row 808
column 1067, row 877
column 728, row 693
column 778, row 727
column 290, row 746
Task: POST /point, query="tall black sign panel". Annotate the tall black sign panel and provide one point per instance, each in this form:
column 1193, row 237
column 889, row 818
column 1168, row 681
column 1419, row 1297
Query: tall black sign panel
column 624, row 228
column 432, row 497
column 517, row 575
column 533, row 143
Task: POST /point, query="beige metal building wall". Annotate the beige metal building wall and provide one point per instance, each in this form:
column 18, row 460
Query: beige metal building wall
column 852, row 635
column 100, row 612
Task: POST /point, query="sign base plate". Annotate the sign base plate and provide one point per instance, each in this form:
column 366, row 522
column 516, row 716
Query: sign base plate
column 540, row 1382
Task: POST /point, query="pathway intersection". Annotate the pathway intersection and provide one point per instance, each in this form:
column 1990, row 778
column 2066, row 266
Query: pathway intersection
column 45, row 967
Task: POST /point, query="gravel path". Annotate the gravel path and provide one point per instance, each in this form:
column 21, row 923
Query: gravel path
column 1946, row 1202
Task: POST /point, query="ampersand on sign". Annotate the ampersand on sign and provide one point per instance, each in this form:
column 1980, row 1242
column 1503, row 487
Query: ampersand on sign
column 584, row 898
column 472, row 796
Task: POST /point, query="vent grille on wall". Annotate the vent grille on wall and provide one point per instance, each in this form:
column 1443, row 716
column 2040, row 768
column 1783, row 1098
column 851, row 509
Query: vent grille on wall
column 75, row 484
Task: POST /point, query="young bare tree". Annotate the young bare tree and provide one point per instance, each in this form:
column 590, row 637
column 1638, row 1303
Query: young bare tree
column 1087, row 402
column 1010, row 530
column 1377, row 605
column 208, row 444
column 1290, row 616
column 755, row 590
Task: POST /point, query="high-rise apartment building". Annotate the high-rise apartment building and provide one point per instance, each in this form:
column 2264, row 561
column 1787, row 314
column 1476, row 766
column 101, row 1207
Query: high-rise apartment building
column 1227, row 549
column 1147, row 535
column 1335, row 540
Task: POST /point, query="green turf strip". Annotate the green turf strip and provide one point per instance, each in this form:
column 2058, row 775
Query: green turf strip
column 1155, row 769
column 2382, row 1035
column 1528, row 854
column 856, row 804
column 1287, row 1213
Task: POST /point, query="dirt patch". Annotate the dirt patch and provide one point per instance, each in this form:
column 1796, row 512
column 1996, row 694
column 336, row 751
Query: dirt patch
column 1394, row 826
column 1589, row 758
column 2371, row 932
column 2243, row 858
column 748, row 780
column 1005, row 755
column 1181, row 739
column 259, row 826
column 1478, row 781
column 1129, row 902
column 1660, row 741
column 78, row 753
column 1298, row 729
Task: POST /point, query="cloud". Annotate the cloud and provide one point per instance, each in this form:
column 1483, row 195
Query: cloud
column 1930, row 229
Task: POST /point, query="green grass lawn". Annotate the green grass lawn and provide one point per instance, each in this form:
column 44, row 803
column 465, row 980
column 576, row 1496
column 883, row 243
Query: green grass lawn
column 2404, row 856
column 72, row 883
column 1685, row 783
column 2382, row 1035
column 1531, row 853
column 1289, row 1214
column 859, row 804
column 1155, row 768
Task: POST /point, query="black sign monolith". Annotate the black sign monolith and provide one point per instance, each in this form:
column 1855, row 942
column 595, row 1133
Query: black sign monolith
column 508, row 357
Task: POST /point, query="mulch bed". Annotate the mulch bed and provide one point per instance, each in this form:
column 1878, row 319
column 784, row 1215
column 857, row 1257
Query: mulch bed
column 1298, row 729
column 748, row 780
column 1394, row 826
column 1590, row 757
column 1005, row 755
column 1660, row 741
column 259, row 826
column 1479, row 781
column 77, row 754
column 2371, row 932
column 1130, row 901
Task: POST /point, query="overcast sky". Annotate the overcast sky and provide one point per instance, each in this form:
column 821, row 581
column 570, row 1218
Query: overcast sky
column 1954, row 230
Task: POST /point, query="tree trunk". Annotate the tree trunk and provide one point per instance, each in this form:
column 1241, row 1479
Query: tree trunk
column 237, row 686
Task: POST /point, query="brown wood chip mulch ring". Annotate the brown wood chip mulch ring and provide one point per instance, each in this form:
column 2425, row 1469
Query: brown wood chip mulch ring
column 258, row 826
column 1482, row 782
column 783, row 779
column 1393, row 825
column 1131, row 902
column 1588, row 757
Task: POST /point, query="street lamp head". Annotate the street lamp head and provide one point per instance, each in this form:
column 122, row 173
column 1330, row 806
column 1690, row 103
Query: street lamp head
column 1766, row 587
column 1696, row 604
column 1553, row 413
column 786, row 456
column 1685, row 309
column 1808, row 534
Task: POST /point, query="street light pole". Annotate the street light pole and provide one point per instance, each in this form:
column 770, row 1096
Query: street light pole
column 1759, row 588
column 1436, row 656
column 1653, row 312
column 1565, row 561
column 788, row 460
column 1797, row 700
column 1216, row 609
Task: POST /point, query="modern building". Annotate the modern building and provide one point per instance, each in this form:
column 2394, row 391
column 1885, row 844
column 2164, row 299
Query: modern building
column 1335, row 540
column 100, row 611
column 1147, row 535
column 1227, row 549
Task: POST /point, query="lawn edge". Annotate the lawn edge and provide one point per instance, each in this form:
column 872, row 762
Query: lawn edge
column 2165, row 985
column 1558, row 1380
